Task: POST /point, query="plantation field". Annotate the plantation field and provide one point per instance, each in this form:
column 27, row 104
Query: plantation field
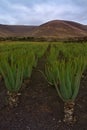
column 42, row 85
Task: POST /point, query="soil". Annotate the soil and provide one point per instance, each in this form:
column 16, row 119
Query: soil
column 40, row 108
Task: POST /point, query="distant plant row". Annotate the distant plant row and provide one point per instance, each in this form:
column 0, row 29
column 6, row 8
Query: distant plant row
column 39, row 39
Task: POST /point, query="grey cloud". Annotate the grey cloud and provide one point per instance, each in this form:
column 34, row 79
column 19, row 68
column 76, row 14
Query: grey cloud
column 19, row 13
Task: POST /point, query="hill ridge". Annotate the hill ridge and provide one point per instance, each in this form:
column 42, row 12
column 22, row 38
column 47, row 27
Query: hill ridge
column 53, row 29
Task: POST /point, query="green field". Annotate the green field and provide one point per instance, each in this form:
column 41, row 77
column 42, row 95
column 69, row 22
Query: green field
column 64, row 66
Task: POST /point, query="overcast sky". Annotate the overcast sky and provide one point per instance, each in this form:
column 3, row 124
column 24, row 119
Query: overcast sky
column 36, row 12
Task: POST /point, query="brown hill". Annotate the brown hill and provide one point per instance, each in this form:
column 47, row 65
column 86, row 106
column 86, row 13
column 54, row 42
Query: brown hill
column 15, row 30
column 51, row 29
column 60, row 29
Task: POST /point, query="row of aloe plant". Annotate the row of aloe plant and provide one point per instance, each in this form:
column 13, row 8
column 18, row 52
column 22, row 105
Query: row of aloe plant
column 16, row 67
column 64, row 69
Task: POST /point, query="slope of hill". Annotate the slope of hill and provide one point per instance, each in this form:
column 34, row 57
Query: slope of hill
column 15, row 30
column 52, row 29
column 60, row 29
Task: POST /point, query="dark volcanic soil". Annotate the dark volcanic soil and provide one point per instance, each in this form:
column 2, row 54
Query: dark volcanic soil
column 40, row 108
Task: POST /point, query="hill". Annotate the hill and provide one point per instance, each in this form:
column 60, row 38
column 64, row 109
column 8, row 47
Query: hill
column 53, row 29
column 15, row 30
column 60, row 29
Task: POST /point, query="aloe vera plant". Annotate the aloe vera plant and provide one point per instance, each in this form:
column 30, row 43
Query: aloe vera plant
column 12, row 71
column 65, row 75
column 29, row 62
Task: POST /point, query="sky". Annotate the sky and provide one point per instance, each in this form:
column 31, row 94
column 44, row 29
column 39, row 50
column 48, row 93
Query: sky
column 36, row 12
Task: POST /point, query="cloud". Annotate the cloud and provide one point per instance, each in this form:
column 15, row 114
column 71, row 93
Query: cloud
column 7, row 19
column 39, row 11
